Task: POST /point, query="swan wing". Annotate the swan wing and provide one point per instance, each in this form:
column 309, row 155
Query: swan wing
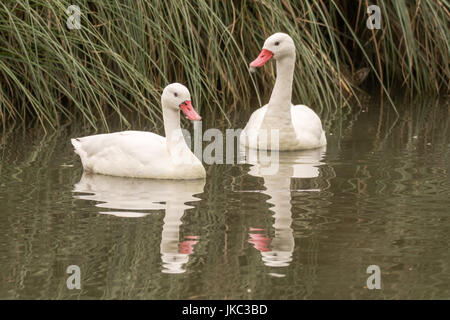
column 249, row 136
column 307, row 127
column 126, row 153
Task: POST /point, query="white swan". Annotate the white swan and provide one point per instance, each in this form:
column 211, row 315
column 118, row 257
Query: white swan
column 135, row 198
column 298, row 126
column 141, row 154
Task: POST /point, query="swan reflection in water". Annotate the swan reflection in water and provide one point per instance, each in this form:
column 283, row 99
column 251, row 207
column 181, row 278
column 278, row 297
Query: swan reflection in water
column 132, row 198
column 277, row 172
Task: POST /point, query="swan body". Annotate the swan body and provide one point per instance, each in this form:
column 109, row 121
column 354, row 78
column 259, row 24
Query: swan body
column 140, row 154
column 307, row 130
column 280, row 125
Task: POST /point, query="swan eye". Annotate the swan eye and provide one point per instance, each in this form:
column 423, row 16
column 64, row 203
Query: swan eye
column 277, row 43
column 175, row 94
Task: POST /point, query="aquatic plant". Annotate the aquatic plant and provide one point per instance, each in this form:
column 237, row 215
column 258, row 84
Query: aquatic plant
column 126, row 51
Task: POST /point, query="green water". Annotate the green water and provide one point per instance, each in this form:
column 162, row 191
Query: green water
column 378, row 195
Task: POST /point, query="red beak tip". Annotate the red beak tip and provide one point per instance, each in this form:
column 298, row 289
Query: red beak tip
column 189, row 111
column 261, row 60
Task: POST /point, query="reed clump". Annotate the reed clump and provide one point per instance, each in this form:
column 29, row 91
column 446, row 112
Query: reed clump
column 127, row 51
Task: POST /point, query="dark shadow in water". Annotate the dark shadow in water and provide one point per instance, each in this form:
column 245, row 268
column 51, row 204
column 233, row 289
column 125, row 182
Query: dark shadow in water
column 133, row 198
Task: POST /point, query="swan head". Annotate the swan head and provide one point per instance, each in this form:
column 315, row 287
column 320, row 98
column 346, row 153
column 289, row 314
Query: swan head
column 176, row 97
column 277, row 46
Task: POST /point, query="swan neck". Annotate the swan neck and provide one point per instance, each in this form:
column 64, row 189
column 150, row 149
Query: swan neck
column 172, row 127
column 282, row 91
column 171, row 120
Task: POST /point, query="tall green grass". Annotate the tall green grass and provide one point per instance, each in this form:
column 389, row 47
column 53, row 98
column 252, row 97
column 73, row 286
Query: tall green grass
column 128, row 50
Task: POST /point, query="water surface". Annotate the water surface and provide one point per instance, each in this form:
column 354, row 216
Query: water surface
column 379, row 193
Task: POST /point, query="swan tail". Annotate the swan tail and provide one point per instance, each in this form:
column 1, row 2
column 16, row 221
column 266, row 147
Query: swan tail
column 79, row 150
column 77, row 145
column 323, row 139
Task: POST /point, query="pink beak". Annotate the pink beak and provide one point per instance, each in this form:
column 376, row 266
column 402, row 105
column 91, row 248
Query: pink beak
column 189, row 111
column 263, row 57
